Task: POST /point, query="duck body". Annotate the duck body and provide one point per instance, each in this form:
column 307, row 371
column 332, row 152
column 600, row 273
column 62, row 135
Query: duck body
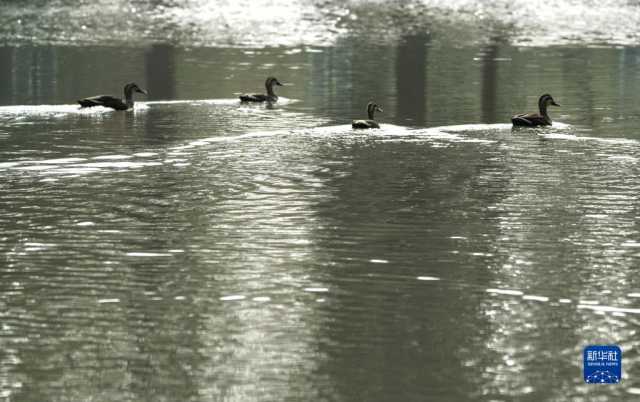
column 536, row 119
column 365, row 124
column 111, row 101
column 530, row 120
column 370, row 123
column 270, row 96
column 258, row 98
column 104, row 100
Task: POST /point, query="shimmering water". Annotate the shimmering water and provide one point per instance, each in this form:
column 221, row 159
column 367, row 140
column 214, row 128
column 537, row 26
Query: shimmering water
column 197, row 249
column 259, row 23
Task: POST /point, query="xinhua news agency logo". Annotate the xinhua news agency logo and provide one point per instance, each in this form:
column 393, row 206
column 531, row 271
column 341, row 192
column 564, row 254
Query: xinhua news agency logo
column 602, row 364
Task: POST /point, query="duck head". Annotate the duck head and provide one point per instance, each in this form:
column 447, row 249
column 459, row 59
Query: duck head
column 373, row 107
column 133, row 87
column 270, row 82
column 544, row 101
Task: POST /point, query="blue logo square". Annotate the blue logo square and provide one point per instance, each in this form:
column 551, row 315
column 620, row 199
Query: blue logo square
column 602, row 364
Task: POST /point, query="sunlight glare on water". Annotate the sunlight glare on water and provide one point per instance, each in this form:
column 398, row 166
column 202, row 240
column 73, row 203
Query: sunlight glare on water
column 258, row 23
column 201, row 249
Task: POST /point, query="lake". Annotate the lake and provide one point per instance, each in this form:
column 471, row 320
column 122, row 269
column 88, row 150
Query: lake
column 200, row 249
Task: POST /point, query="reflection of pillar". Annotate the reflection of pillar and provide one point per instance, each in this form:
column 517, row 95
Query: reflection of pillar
column 489, row 83
column 627, row 85
column 411, row 79
column 45, row 75
column 577, row 64
column 160, row 70
column 6, row 79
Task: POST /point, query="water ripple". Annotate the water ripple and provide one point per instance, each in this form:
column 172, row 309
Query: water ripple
column 285, row 23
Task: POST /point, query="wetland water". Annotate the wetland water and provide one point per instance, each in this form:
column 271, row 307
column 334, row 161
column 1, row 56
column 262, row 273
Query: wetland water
column 197, row 249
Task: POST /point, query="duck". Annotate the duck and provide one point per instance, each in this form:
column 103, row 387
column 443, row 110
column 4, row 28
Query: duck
column 372, row 107
column 534, row 119
column 113, row 102
column 269, row 97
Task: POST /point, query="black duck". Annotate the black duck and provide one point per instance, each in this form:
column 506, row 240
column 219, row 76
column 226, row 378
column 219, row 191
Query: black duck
column 535, row 119
column 269, row 97
column 113, row 102
column 371, row 123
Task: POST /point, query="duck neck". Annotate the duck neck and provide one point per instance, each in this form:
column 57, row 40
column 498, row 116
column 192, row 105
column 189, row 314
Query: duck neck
column 542, row 105
column 370, row 111
column 128, row 97
column 269, row 86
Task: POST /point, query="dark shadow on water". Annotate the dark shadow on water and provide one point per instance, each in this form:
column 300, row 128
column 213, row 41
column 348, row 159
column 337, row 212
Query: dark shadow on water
column 579, row 65
column 6, row 75
column 160, row 72
column 489, row 83
column 411, row 79
column 391, row 350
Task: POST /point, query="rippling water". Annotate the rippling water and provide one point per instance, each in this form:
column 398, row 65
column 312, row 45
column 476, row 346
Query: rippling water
column 257, row 23
column 199, row 249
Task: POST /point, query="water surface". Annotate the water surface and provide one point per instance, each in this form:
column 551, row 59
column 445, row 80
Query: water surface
column 198, row 249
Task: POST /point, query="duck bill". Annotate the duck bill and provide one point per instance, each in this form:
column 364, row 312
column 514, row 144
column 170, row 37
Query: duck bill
column 379, row 109
column 555, row 104
column 142, row 91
